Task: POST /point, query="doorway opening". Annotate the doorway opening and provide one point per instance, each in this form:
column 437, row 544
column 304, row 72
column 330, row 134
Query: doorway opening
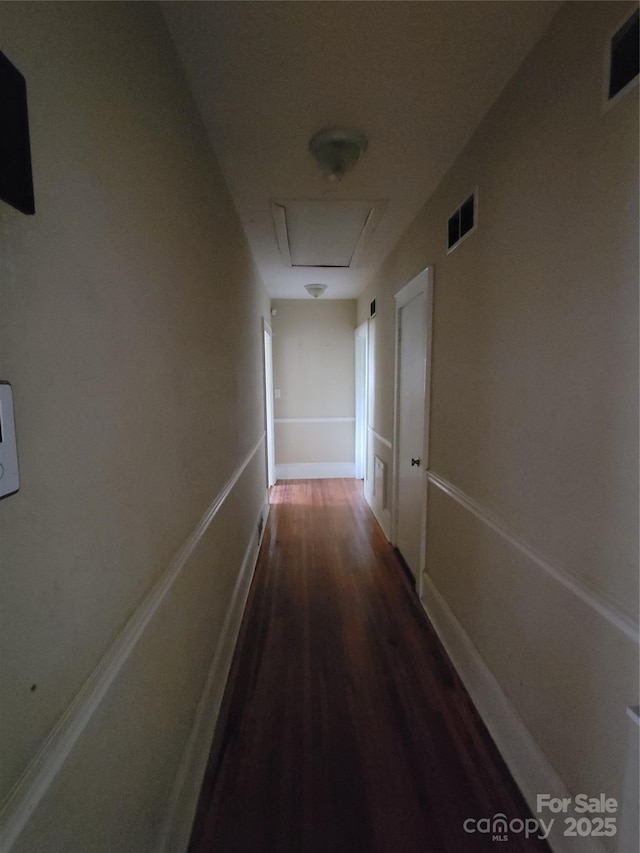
column 268, row 402
column 362, row 336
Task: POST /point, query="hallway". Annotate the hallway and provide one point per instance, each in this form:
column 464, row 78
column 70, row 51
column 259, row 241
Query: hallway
column 345, row 727
column 171, row 222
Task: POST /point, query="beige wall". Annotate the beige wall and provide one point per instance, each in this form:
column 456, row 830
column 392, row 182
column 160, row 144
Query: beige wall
column 534, row 404
column 130, row 330
column 314, row 370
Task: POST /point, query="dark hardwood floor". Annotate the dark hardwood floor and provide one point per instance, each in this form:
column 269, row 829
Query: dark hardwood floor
column 346, row 730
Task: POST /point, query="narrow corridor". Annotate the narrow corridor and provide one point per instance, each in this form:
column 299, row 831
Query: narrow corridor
column 345, row 727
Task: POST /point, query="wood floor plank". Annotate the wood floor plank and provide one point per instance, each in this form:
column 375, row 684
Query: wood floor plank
column 346, row 728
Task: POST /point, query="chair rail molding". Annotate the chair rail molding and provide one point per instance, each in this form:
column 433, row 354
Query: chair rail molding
column 346, row 420
column 586, row 592
column 23, row 800
column 380, row 438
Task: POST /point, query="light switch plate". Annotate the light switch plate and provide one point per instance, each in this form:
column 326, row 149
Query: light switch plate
column 9, row 478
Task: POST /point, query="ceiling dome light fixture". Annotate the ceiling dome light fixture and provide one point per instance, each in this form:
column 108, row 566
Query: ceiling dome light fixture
column 337, row 150
column 315, row 289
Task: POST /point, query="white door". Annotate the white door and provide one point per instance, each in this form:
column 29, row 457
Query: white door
column 412, row 330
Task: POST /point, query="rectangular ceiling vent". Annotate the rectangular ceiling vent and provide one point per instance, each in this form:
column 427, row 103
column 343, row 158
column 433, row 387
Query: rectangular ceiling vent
column 323, row 233
column 461, row 222
column 623, row 58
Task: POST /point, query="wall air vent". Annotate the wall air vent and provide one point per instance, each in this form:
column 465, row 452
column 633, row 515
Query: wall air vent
column 623, row 58
column 16, row 181
column 461, row 222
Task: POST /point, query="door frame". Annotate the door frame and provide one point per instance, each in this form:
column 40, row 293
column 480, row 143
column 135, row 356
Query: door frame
column 422, row 283
column 267, row 351
column 361, row 386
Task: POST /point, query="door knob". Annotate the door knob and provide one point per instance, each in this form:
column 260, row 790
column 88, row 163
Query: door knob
column 414, row 461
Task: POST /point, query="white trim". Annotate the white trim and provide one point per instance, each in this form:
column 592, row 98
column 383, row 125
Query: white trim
column 383, row 517
column 377, row 208
column 586, row 592
column 314, row 470
column 23, row 800
column 529, row 766
column 628, row 829
column 279, row 214
column 381, row 438
column 314, row 420
column 422, row 283
column 178, row 823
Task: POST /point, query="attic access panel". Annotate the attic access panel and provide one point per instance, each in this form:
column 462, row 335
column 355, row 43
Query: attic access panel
column 323, row 233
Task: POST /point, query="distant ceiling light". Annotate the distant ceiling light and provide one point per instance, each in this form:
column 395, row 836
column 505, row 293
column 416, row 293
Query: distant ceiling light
column 337, row 150
column 315, row 289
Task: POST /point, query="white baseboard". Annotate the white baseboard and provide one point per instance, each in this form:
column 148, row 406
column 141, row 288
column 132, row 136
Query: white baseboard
column 383, row 516
column 529, row 766
column 181, row 809
column 314, row 470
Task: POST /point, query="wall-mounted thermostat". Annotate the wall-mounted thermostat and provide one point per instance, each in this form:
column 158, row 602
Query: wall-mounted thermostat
column 9, row 479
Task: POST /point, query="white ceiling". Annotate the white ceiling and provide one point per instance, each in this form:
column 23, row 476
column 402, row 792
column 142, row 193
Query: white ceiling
column 415, row 77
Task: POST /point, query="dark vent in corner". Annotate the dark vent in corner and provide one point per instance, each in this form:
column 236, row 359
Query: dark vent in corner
column 624, row 56
column 372, row 309
column 461, row 222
